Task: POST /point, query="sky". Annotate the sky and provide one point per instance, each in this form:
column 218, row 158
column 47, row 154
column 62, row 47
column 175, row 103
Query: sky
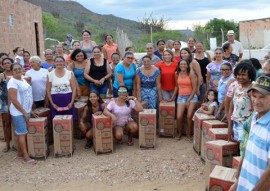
column 181, row 14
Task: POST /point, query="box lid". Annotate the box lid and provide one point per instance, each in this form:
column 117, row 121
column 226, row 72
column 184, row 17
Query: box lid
column 38, row 119
column 220, row 143
column 224, row 173
column 60, row 117
column 171, row 104
column 203, row 116
column 41, row 109
column 214, row 122
column 219, row 131
column 100, row 116
column 148, row 111
column 79, row 104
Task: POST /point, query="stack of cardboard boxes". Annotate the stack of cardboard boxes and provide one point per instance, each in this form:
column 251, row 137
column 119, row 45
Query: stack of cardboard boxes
column 147, row 128
column 166, row 119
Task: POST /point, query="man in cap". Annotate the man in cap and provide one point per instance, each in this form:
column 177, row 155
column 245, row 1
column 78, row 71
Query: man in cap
column 254, row 167
column 69, row 41
column 236, row 45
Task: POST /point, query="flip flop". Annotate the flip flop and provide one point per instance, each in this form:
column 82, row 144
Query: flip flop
column 130, row 142
column 5, row 150
column 31, row 162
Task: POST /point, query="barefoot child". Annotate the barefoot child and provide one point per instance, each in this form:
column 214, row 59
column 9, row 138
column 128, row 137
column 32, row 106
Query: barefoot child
column 211, row 106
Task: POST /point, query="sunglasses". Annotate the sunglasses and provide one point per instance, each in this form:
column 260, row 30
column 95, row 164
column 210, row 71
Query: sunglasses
column 122, row 91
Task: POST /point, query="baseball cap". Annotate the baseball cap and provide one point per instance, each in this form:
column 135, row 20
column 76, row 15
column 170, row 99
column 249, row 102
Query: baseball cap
column 69, row 36
column 230, row 32
column 262, row 85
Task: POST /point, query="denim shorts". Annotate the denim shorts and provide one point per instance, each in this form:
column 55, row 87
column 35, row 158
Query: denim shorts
column 238, row 131
column 184, row 98
column 102, row 89
column 20, row 124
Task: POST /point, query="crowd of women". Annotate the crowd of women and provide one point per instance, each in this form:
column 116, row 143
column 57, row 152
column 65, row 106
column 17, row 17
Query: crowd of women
column 188, row 76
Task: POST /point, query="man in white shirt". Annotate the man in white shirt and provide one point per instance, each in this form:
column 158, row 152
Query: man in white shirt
column 236, row 45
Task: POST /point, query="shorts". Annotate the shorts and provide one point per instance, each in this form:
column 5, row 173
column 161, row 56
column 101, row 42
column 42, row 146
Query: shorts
column 39, row 104
column 4, row 108
column 84, row 90
column 20, row 124
column 184, row 98
column 167, row 94
column 202, row 92
column 102, row 89
column 238, row 131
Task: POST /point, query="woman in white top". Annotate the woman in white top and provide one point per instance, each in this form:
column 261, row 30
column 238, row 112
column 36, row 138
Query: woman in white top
column 61, row 89
column 20, row 94
column 38, row 81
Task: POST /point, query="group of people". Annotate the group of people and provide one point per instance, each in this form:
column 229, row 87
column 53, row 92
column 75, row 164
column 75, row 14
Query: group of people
column 232, row 89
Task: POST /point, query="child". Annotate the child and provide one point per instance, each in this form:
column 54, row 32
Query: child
column 18, row 52
column 94, row 106
column 211, row 107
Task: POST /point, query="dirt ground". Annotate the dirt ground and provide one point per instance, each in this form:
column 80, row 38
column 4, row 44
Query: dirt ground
column 172, row 166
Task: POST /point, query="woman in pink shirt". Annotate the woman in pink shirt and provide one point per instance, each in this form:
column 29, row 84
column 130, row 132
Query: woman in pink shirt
column 109, row 48
column 120, row 109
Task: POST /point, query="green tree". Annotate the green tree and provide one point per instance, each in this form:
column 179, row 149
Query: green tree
column 49, row 24
column 158, row 25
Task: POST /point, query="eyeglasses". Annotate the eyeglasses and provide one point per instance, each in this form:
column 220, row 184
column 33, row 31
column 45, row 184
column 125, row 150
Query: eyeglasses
column 122, row 91
column 149, row 48
column 130, row 58
column 17, row 69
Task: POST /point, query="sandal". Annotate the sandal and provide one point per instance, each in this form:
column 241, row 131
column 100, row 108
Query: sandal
column 31, row 162
column 88, row 145
column 130, row 142
column 178, row 138
column 5, row 150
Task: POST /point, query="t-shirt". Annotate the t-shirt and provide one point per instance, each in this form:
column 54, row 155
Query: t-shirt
column 110, row 49
column 214, row 69
column 24, row 95
column 46, row 66
column 237, row 47
column 128, row 75
column 21, row 60
column 222, row 87
column 257, row 154
column 60, row 85
column 38, row 83
column 231, row 88
column 213, row 104
column 158, row 54
column 155, row 59
column 167, row 75
column 122, row 113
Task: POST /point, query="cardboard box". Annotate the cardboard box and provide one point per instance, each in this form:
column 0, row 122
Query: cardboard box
column 63, row 135
column 83, row 99
column 222, row 178
column 166, row 119
column 197, row 138
column 147, row 128
column 14, row 138
column 206, row 125
column 79, row 107
column 37, row 138
column 236, row 161
column 135, row 114
column 218, row 134
column 102, row 135
column 2, row 131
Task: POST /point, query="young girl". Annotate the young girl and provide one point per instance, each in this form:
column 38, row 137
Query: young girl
column 211, row 107
column 94, row 106
column 186, row 87
column 18, row 52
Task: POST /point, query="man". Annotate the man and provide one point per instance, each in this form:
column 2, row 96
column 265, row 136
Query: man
column 160, row 48
column 255, row 164
column 236, row 45
column 49, row 62
column 109, row 48
column 69, row 41
column 149, row 52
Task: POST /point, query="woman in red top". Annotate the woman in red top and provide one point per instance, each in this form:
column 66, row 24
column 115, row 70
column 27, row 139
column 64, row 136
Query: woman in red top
column 186, row 87
column 167, row 69
column 109, row 48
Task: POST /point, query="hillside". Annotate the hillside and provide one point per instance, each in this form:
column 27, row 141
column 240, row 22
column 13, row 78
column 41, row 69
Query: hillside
column 62, row 17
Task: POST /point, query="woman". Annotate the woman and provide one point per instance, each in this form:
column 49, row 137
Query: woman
column 194, row 67
column 167, row 69
column 26, row 57
column 241, row 105
column 187, row 98
column 160, row 48
column 38, row 81
column 75, row 45
column 20, row 94
column 228, row 55
column 213, row 70
column 78, row 67
column 257, row 65
column 109, row 48
column 61, row 89
column 4, row 78
column 191, row 44
column 87, row 43
column 203, row 58
column 98, row 71
column 177, row 47
column 49, row 61
column 148, row 83
column 115, row 60
column 226, row 79
column 120, row 109
column 2, row 56
column 59, row 51
column 95, row 106
column 124, row 75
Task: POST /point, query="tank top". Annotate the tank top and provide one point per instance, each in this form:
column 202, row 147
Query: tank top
column 90, row 114
column 203, row 63
column 79, row 75
column 88, row 51
column 185, row 85
column 98, row 72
